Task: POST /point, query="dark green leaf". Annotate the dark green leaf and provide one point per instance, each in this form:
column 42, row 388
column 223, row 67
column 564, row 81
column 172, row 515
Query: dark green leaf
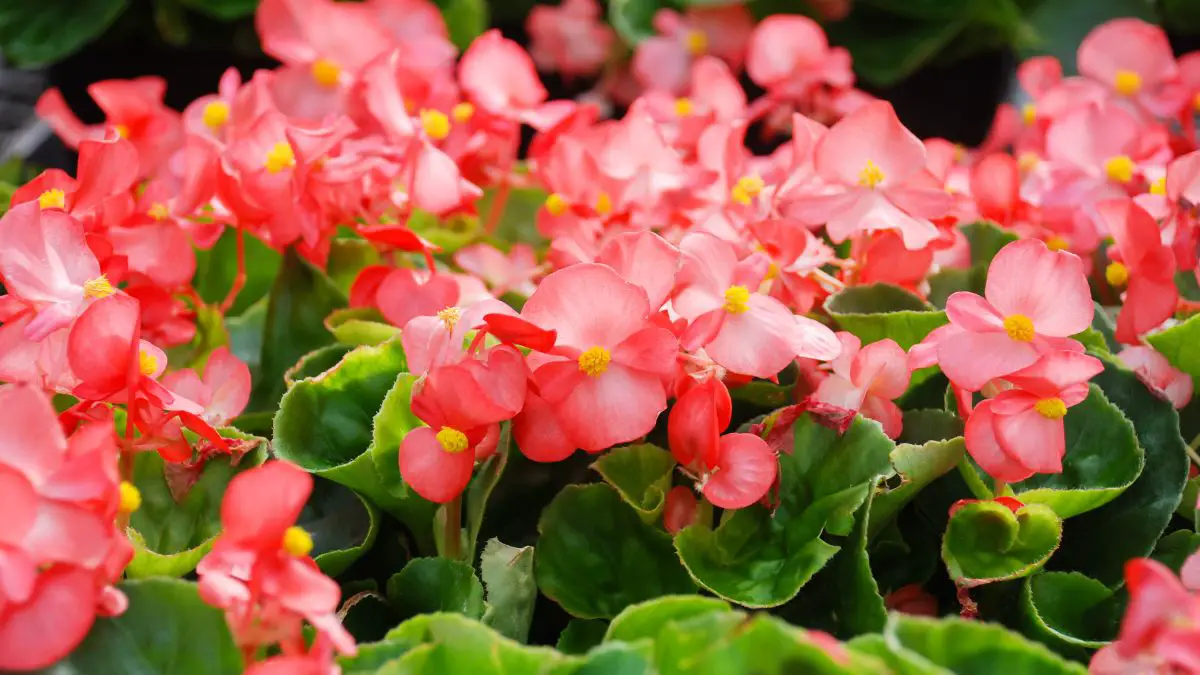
column 581, row 635
column 316, row 362
column 1175, row 548
column 428, row 585
column 985, row 240
column 915, row 467
column 596, row 557
column 987, row 542
column 1068, row 612
column 641, row 474
column 511, row 590
column 343, row 525
column 1181, row 345
column 225, row 10
column 877, row 311
column 348, row 257
column 888, row 48
column 39, row 33
column 465, row 19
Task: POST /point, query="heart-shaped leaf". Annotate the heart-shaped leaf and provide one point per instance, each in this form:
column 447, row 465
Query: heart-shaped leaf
column 315, row 362
column 451, row 643
column 428, row 585
column 915, row 467
column 646, row 619
column 507, row 574
column 962, row 646
column 1069, row 612
column 595, row 556
column 641, row 474
column 877, row 311
column 986, row 541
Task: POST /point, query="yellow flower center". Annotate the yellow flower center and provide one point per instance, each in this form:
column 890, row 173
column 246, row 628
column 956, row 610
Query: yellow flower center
column 772, row 272
column 557, row 204
column 450, row 316
column 147, row 363
column 696, row 42
column 737, row 299
column 746, row 189
column 158, row 211
column 683, row 107
column 1127, row 82
column 215, row 115
column 1029, row 114
column 870, row 176
column 53, row 199
column 1057, row 243
column 1196, row 103
column 1028, row 161
column 297, row 542
column 1019, row 327
column 280, row 157
column 1051, row 408
column 435, row 123
column 130, row 497
column 603, row 204
column 122, row 130
column 326, row 72
column 98, row 288
column 452, row 440
column 1159, row 187
column 1119, row 168
column 594, row 361
column 463, row 112
column 1116, row 273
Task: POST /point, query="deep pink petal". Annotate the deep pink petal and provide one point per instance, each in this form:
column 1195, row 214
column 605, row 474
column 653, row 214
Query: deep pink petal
column 1036, row 441
column 538, row 432
column 261, row 503
column 589, row 305
column 747, row 469
column 985, row 449
column 44, row 630
column 435, row 474
column 616, row 407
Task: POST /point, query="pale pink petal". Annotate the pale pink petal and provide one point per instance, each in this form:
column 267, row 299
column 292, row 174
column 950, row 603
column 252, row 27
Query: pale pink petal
column 1127, row 44
column 32, row 442
column 1036, row 441
column 971, row 312
column 589, row 305
column 645, row 259
column 881, row 368
column 1048, row 287
column 662, row 63
column 228, row 378
column 872, row 133
column 971, row 360
column 885, row 412
column 652, row 349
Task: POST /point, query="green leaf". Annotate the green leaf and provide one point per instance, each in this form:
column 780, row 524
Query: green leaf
column 479, row 491
column 40, row 33
column 1181, row 345
column 511, row 590
column 316, row 362
column 759, row 559
column 342, row 523
column 225, row 10
column 888, row 48
column 246, row 336
column 930, row 424
column 1068, row 612
column 916, row 466
column 171, row 535
column 581, row 635
column 975, row 647
column 641, row 474
column 646, row 619
column 167, row 630
column 217, row 267
column 428, row 585
column 987, row 542
column 1098, row 543
column 448, row 234
column 1062, row 24
column 985, row 239
column 347, row 257
column 633, row 19
column 372, row 658
column 595, row 556
column 360, row 326
column 452, row 643
column 295, row 325
column 899, row 660
column 1103, row 459
column 1175, row 548
column 465, row 19
column 877, row 311
column 518, row 223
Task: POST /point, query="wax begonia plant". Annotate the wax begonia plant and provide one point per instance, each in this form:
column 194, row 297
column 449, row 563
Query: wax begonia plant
column 385, row 361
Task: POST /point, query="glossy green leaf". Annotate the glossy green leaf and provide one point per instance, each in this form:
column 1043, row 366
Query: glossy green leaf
column 759, row 559
column 898, row 660
column 295, row 325
column 511, row 590
column 985, row 239
column 35, row 34
column 167, row 630
column 315, row 363
column 888, row 48
column 975, row 647
column 641, row 474
column 595, row 556
column 428, row 585
column 877, row 311
column 374, row 658
column 646, row 619
column 916, row 466
column 177, row 523
column 633, row 19
column 225, row 10
column 986, row 542
column 1098, row 543
column 930, row 424
column 360, row 326
column 1068, row 612
column 1181, row 345
column 1175, row 548
column 343, row 525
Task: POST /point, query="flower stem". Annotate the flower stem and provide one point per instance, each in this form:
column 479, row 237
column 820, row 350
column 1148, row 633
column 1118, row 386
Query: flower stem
column 1191, row 450
column 999, row 489
column 452, row 535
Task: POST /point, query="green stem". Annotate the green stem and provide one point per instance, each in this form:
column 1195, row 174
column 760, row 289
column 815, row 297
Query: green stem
column 452, row 535
column 1192, row 450
column 1000, row 488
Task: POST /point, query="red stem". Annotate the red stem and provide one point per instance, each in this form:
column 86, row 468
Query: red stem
column 239, row 279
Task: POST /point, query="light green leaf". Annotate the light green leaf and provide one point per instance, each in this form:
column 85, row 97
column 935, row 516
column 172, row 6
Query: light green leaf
column 986, row 542
column 511, row 590
column 878, row 311
column 641, row 474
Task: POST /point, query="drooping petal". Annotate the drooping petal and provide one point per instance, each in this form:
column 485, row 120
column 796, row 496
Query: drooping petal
column 38, row 633
column 1036, row 441
column 985, row 449
column 435, row 474
column 696, row 422
column 228, row 378
column 747, row 470
column 539, row 434
column 881, row 368
column 101, row 346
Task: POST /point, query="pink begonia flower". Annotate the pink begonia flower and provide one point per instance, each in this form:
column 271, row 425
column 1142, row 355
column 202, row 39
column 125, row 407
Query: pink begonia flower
column 1020, row 432
column 714, row 95
column 873, row 178
column 570, row 39
column 604, row 383
column 664, row 61
column 790, row 57
column 1153, row 369
column 407, row 293
column 223, row 391
column 867, row 380
column 646, row 260
column 327, row 42
column 498, row 75
column 679, row 511
column 1161, row 628
column 1034, row 300
column 886, row 260
column 45, row 262
column 440, row 339
column 418, row 28
column 797, row 256
column 743, row 330
column 1141, row 264
column 733, row 470
column 106, row 172
column 511, row 272
column 1182, row 190
column 1135, row 60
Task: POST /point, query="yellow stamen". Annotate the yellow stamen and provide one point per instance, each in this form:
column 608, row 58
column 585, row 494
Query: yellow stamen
column 215, row 115
column 870, row 176
column 683, row 107
column 557, row 204
column 696, row 42
column 122, row 130
column 1119, row 168
column 435, row 123
column 1127, row 82
column 1051, row 408
column 130, row 498
column 746, row 189
column 1029, row 114
column 452, row 440
column 772, row 272
column 1019, row 327
column 297, row 542
column 147, row 363
column 158, row 211
column 1159, row 187
column 98, row 288
column 1028, row 161
column 594, row 361
column 1057, row 243
column 280, row 157
column 463, row 112
column 603, row 204
column 1196, row 103
column 53, row 199
column 326, row 72
column 736, row 299
column 450, row 316
column 1117, row 274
